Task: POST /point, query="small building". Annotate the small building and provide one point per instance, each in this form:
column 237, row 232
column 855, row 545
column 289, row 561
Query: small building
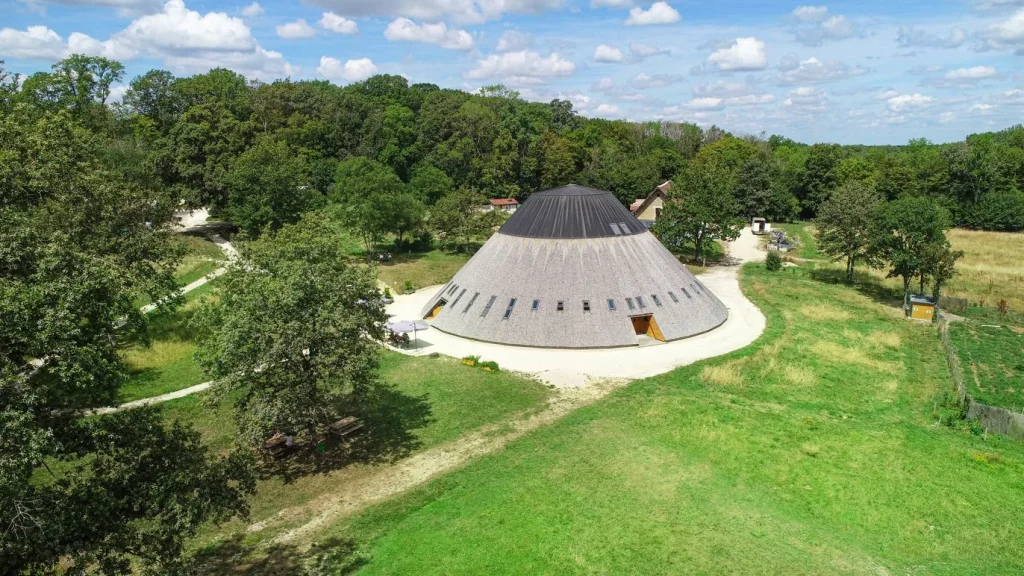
column 647, row 210
column 760, row 226
column 922, row 308
column 509, row 205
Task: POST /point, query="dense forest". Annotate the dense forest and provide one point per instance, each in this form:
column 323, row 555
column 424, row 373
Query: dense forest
column 260, row 154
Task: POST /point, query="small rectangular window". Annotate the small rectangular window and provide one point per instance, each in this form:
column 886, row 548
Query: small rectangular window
column 471, row 301
column 459, row 297
column 686, row 293
column 695, row 289
column 561, row 306
column 629, row 302
column 623, row 227
column 672, row 295
column 586, row 305
column 615, row 229
column 535, row 306
column 640, row 302
column 487, row 308
column 453, row 289
column 508, row 311
column 657, row 301
column 611, row 304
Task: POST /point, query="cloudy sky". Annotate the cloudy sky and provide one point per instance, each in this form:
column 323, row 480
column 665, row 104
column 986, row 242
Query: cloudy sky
column 851, row 72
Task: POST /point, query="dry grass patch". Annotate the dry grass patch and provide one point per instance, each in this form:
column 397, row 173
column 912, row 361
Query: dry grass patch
column 722, row 375
column 830, row 351
column 825, row 312
column 799, row 376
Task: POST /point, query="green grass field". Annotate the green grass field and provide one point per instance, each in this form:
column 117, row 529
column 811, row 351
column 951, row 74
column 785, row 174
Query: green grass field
column 430, row 401
column 426, row 269
column 166, row 365
column 803, row 232
column 993, row 361
column 813, row 451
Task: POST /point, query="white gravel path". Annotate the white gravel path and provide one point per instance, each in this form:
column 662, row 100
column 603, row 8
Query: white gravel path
column 573, row 368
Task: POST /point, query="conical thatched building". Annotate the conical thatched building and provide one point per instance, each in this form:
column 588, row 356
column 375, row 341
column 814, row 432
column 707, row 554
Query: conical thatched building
column 572, row 268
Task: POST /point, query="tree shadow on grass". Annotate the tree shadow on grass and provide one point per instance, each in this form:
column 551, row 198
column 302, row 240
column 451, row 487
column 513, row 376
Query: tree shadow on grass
column 390, row 419
column 234, row 556
column 863, row 283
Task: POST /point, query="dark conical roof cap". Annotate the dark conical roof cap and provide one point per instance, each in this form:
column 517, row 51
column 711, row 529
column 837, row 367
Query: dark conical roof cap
column 572, row 212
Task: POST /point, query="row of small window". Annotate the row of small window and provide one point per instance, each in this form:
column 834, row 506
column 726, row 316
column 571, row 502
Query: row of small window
column 632, row 303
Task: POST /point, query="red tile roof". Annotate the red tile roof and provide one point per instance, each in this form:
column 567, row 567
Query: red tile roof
column 504, row 202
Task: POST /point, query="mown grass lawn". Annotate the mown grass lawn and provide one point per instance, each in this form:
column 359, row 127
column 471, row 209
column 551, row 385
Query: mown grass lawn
column 428, row 401
column 167, row 364
column 813, row 451
column 993, row 361
column 422, row 269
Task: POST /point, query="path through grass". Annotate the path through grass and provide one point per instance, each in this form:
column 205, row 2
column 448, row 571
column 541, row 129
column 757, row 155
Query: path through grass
column 815, row 451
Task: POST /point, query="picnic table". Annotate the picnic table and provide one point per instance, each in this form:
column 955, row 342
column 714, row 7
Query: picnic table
column 279, row 445
column 346, row 426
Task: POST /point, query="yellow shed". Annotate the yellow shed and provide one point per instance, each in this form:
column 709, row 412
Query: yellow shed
column 922, row 308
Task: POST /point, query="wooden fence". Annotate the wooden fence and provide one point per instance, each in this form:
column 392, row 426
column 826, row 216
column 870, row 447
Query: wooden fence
column 993, row 419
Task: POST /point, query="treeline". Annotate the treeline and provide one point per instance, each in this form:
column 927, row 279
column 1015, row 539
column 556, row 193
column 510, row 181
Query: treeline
column 261, row 154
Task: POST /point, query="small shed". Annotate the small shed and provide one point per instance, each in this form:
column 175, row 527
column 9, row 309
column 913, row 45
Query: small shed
column 760, row 226
column 922, row 308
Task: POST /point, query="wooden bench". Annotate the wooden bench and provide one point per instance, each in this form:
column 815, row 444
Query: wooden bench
column 346, row 426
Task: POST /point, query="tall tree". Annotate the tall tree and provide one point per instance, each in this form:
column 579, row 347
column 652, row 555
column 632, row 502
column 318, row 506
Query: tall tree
column 78, row 244
column 902, row 234
column 294, row 334
column 844, row 224
column 268, row 187
column 700, row 208
column 152, row 95
column 819, row 177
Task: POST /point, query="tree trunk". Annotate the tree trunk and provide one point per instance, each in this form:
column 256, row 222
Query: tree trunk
column 922, row 284
column 698, row 249
column 849, row 269
column 906, row 293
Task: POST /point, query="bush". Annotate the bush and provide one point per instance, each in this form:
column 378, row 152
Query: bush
column 409, row 288
column 999, row 211
column 490, row 366
column 471, row 360
column 773, row 262
column 387, row 293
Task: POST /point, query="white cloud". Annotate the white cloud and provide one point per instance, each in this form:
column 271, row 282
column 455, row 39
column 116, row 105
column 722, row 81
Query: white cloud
column 982, row 108
column 116, row 93
column 351, row 71
column 338, row 24
column 608, row 110
column 605, row 53
column 460, row 11
column 1004, row 35
column 253, row 10
column 126, row 8
column 909, row 101
column 887, row 94
column 514, row 40
column 1013, row 97
column 523, row 65
column 638, row 52
column 643, row 81
column 814, row 71
column 187, row 41
column 806, row 99
column 33, row 42
column 658, row 13
column 972, row 74
column 603, row 85
column 295, row 30
column 744, row 54
column 908, row 37
column 405, row 30
column 813, row 26
column 705, row 104
column 751, row 100
column 810, row 13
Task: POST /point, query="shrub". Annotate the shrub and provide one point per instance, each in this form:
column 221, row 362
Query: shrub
column 409, row 288
column 387, row 292
column 490, row 366
column 773, row 262
column 471, row 360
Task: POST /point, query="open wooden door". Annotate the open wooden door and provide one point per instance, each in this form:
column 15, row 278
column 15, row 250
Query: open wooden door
column 647, row 325
column 436, row 309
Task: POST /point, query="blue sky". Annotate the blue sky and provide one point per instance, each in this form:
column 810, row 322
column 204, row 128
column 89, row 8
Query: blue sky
column 851, row 72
